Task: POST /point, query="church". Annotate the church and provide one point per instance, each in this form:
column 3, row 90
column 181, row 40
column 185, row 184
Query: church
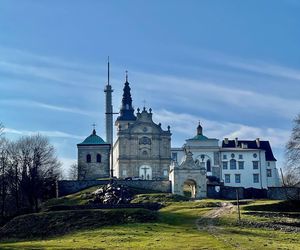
column 142, row 151
column 142, row 148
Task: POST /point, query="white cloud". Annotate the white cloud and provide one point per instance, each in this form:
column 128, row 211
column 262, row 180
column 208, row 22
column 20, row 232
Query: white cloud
column 190, row 92
column 184, row 126
column 57, row 134
column 29, row 103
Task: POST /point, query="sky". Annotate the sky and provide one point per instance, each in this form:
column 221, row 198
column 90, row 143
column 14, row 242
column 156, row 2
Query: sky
column 233, row 65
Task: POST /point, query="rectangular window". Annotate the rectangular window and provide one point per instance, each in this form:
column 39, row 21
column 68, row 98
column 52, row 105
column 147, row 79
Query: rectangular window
column 269, row 172
column 237, row 178
column 255, row 164
column 225, row 165
column 241, row 165
column 165, row 172
column 124, row 172
column 174, row 156
column 224, row 157
column 227, row 178
column 255, row 178
column 268, row 164
column 240, row 157
column 232, row 164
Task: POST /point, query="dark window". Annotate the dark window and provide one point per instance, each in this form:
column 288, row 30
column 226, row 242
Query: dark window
column 255, row 155
column 225, row 165
column 224, row 157
column 88, row 158
column 232, row 164
column 240, row 156
column 237, row 178
column 269, row 172
column 227, row 178
column 232, row 155
column 208, row 166
column 255, row 164
column 255, row 178
column 174, row 156
column 241, row 165
column 98, row 158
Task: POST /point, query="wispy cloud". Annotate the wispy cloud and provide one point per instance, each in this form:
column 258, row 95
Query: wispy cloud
column 184, row 126
column 35, row 104
column 188, row 92
column 54, row 133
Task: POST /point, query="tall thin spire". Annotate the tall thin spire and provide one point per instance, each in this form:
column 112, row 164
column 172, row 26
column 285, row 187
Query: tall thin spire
column 126, row 76
column 108, row 108
column 108, row 70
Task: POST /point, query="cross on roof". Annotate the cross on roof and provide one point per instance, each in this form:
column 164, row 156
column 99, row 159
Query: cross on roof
column 94, row 125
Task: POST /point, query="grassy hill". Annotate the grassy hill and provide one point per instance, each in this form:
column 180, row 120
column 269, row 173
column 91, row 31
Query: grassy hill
column 205, row 224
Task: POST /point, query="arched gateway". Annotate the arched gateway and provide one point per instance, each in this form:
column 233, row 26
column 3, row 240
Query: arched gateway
column 188, row 178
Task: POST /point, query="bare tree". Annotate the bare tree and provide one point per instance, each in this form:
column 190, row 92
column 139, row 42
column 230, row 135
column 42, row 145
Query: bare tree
column 73, row 172
column 40, row 168
column 3, row 175
column 292, row 173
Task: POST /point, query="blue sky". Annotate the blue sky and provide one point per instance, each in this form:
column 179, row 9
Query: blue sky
column 234, row 65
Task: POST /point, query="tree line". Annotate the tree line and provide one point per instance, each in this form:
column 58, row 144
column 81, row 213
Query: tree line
column 29, row 170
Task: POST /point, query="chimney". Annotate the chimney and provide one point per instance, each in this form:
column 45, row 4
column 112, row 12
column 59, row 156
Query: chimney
column 258, row 142
column 236, row 142
column 226, row 140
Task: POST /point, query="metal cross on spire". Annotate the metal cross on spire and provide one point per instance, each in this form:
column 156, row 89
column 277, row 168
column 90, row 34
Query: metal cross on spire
column 126, row 75
column 94, row 126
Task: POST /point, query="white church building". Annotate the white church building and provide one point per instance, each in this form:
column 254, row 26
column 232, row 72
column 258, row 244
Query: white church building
column 235, row 163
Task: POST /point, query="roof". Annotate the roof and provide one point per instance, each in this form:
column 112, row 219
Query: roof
column 264, row 145
column 93, row 139
column 199, row 137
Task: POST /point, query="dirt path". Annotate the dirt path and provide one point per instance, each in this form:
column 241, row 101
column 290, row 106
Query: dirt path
column 210, row 219
column 209, row 222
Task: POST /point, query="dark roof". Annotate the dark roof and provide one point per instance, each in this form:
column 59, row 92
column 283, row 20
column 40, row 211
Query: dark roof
column 126, row 111
column 264, row 145
column 199, row 138
column 93, row 139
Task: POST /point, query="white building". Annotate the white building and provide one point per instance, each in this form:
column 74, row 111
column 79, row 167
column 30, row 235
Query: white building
column 236, row 163
column 248, row 163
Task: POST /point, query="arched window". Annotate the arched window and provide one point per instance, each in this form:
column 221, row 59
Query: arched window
column 98, row 158
column 208, row 166
column 88, row 158
column 232, row 164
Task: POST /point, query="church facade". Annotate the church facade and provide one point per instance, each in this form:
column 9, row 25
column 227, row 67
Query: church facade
column 142, row 149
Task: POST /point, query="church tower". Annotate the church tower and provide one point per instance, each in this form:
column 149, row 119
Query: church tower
column 126, row 116
column 108, row 110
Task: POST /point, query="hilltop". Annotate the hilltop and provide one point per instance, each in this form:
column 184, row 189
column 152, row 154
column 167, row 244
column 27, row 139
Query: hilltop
column 205, row 224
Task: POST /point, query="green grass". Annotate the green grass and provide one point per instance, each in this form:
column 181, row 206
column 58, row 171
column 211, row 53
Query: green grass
column 175, row 229
column 82, row 197
column 70, row 200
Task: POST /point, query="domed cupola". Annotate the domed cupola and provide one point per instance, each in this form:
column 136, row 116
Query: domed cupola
column 93, row 139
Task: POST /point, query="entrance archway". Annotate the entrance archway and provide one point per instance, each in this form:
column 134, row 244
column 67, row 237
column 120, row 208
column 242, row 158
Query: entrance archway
column 190, row 188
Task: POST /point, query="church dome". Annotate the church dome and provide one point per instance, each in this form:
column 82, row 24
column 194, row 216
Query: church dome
column 93, row 139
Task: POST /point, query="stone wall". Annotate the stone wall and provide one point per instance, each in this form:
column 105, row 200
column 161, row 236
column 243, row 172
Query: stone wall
column 272, row 193
column 66, row 187
column 284, row 193
column 224, row 192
